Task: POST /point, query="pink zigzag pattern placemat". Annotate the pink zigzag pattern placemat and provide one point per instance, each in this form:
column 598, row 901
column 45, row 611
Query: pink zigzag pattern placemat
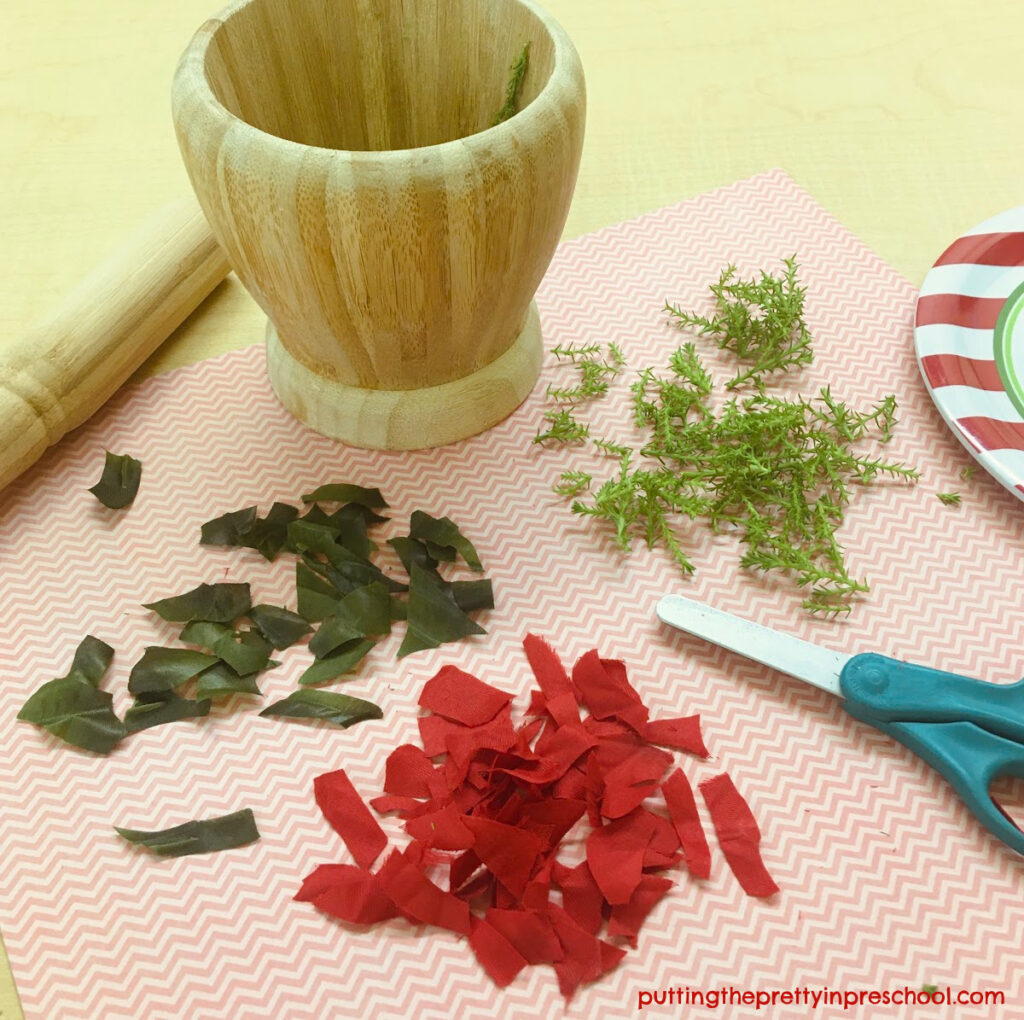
column 886, row 880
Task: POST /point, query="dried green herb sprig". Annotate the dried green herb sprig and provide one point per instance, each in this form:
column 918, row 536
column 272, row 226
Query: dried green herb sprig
column 949, row 498
column 518, row 68
column 760, row 321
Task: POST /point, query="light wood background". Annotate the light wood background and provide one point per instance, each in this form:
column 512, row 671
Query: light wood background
column 902, row 117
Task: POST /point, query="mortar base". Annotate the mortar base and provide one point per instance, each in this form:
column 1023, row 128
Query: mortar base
column 409, row 419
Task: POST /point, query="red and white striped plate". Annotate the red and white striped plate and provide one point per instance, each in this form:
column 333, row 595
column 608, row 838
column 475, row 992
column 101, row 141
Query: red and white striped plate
column 969, row 338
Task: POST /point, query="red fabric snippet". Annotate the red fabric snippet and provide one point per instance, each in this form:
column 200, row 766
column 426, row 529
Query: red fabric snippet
column 681, row 734
column 738, row 835
column 350, row 818
column 682, row 806
column 493, row 804
column 462, row 697
column 602, row 685
column 416, row 896
column 496, row 954
column 409, row 772
column 627, row 918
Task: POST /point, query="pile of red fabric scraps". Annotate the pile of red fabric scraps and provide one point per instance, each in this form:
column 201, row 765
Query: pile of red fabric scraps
column 491, row 803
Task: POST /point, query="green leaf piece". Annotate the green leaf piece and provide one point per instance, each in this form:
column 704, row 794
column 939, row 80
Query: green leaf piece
column 164, row 707
column 312, row 580
column 229, row 528
column 434, row 617
column 71, row 708
column 334, row 632
column 340, row 709
column 163, row 669
column 242, row 658
column 343, row 660
column 202, row 836
column 217, row 603
column 119, row 483
column 343, row 493
column 314, row 606
column 92, row 659
column 411, row 551
column 204, row 633
column 304, row 535
column 268, row 535
column 443, row 533
column 280, row 626
column 221, row 680
column 518, row 68
column 254, row 639
column 366, row 610
column 471, row 595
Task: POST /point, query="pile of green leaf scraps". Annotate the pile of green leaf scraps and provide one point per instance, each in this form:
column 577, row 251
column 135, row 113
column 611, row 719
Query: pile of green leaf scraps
column 777, row 471
column 489, row 805
column 339, row 589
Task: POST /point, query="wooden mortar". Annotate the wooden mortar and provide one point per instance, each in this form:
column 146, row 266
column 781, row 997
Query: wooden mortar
column 344, row 154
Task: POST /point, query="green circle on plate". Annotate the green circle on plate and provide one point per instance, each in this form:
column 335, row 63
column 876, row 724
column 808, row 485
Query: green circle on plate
column 1009, row 347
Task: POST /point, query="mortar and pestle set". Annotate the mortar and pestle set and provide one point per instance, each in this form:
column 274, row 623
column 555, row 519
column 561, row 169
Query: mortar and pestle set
column 345, row 157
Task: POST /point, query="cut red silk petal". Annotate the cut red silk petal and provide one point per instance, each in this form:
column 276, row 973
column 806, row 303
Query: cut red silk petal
column 531, row 933
column 633, row 779
column 496, row 954
column 627, row 918
column 556, row 816
column 322, row 878
column 606, row 692
column 553, row 681
column 416, row 896
column 683, row 808
column 358, row 899
column 443, row 830
column 461, row 696
column 567, row 744
column 387, row 803
column 615, row 854
column 510, row 853
column 585, row 957
column 408, row 772
column 581, row 897
column 738, row 835
column 682, row 734
column 350, row 818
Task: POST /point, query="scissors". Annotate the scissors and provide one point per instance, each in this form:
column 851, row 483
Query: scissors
column 968, row 730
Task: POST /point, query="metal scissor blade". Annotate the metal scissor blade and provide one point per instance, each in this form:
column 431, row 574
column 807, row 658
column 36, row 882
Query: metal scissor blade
column 806, row 661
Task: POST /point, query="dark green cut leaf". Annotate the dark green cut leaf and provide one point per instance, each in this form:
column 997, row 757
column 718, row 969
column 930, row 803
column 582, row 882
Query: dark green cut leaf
column 353, row 511
column 311, row 579
column 342, row 661
column 340, row 709
column 305, row 536
column 218, row 603
column 334, row 632
column 221, row 679
column 204, row 633
column 254, row 639
column 347, row 572
column 410, row 551
column 399, row 609
column 470, row 595
column 92, row 658
column 433, row 614
column 352, row 536
column 314, row 606
column 280, row 626
column 119, row 482
column 441, row 553
column 202, row 836
column 163, row 669
column 342, row 493
column 269, row 534
column 74, row 710
column 243, row 659
column 165, row 707
column 443, row 533
column 229, row 528
column 366, row 610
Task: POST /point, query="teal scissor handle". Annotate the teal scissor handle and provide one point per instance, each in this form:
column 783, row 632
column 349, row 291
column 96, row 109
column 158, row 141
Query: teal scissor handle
column 968, row 730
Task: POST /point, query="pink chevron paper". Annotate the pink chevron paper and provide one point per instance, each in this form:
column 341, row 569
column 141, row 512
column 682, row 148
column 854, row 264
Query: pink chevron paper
column 886, row 880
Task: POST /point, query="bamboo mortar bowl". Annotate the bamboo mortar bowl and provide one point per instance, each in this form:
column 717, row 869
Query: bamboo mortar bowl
column 344, row 154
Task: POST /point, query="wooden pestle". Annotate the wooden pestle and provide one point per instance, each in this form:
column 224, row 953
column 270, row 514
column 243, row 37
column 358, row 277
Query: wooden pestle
column 71, row 362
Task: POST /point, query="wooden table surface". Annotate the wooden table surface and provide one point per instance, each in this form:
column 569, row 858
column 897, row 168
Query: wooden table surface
column 902, row 118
